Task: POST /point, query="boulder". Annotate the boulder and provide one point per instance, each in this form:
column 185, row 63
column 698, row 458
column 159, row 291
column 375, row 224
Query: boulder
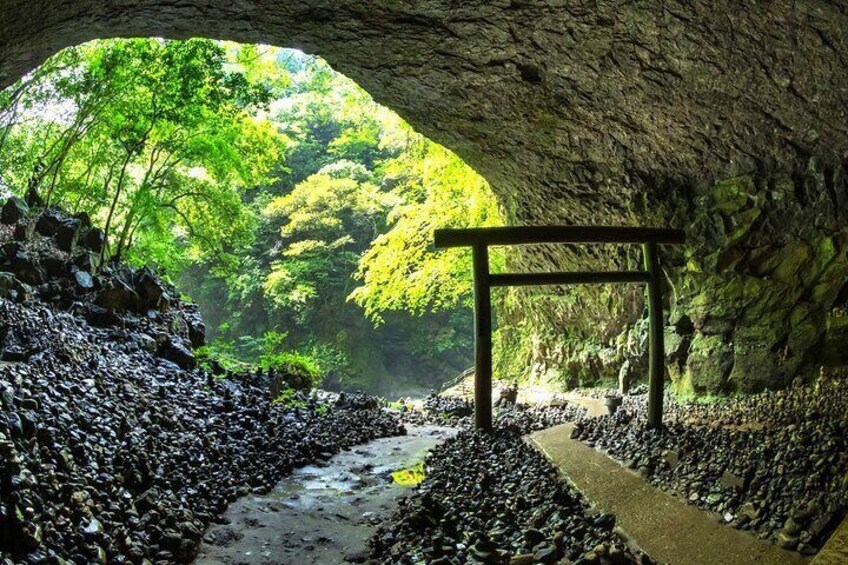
column 627, row 375
column 84, row 220
column 48, row 223
column 146, row 342
column 67, row 235
column 13, row 354
column 23, row 231
column 508, row 395
column 116, row 296
column 732, row 480
column 33, row 198
column 94, row 239
column 709, row 363
column 173, row 349
column 196, row 330
column 54, row 267
column 10, row 249
column 7, row 284
column 25, row 268
column 14, row 210
column 152, row 293
column 100, row 317
column 84, row 280
column 88, row 262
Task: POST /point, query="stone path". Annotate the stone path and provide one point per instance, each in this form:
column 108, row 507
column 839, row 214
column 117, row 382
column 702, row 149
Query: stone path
column 667, row 528
column 835, row 551
column 320, row 514
column 594, row 406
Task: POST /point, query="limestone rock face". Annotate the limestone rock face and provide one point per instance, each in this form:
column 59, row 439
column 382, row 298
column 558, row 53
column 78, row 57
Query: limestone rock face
column 728, row 120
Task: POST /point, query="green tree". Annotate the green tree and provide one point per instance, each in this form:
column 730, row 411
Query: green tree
column 294, row 209
column 154, row 139
column 400, row 271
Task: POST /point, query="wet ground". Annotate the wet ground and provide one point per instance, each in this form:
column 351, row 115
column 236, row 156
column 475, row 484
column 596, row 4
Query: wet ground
column 322, row 513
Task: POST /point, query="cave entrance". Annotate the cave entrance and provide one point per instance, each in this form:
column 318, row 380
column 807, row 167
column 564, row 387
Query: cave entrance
column 480, row 239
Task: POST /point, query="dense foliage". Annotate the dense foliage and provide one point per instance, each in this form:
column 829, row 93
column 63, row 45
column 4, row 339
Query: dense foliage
column 154, row 139
column 296, row 211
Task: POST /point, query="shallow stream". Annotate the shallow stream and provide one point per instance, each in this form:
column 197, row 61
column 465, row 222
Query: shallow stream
column 322, row 513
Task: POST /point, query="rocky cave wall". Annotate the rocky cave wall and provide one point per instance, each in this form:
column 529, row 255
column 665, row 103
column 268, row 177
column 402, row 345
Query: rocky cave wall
column 758, row 297
column 722, row 117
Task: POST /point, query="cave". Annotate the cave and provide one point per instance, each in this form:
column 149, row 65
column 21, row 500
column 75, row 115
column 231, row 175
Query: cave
column 725, row 122
column 729, row 122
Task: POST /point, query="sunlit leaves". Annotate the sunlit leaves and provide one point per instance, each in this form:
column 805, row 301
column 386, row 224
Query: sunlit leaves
column 400, row 270
column 155, row 139
column 271, row 185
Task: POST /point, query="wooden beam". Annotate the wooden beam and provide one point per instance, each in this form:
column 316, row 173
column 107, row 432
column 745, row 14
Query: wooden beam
column 482, row 340
column 589, row 277
column 656, row 347
column 525, row 235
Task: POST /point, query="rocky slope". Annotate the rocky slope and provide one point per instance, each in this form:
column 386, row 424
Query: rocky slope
column 113, row 446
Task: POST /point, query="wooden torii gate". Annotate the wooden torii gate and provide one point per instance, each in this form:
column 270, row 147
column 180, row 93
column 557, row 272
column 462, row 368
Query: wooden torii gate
column 480, row 239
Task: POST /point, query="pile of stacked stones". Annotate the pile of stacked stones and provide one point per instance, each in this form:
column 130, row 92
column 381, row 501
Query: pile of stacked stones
column 457, row 412
column 493, row 499
column 524, row 419
column 111, row 451
column 775, row 463
column 55, row 259
column 447, row 410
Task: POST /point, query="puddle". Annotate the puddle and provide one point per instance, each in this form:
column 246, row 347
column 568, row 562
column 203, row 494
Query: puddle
column 411, row 476
column 320, row 514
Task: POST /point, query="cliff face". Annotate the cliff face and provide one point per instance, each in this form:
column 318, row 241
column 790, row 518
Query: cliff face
column 727, row 120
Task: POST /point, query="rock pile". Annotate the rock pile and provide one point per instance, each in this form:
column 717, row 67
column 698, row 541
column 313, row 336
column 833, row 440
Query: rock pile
column 454, row 411
column 524, row 419
column 110, row 451
column 56, row 259
column 442, row 410
column 493, row 499
column 775, row 464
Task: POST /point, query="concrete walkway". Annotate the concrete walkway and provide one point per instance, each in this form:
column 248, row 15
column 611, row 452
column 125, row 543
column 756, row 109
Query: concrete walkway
column 594, row 406
column 835, row 551
column 667, row 528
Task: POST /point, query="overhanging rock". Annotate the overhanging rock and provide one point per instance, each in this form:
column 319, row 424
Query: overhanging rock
column 727, row 121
